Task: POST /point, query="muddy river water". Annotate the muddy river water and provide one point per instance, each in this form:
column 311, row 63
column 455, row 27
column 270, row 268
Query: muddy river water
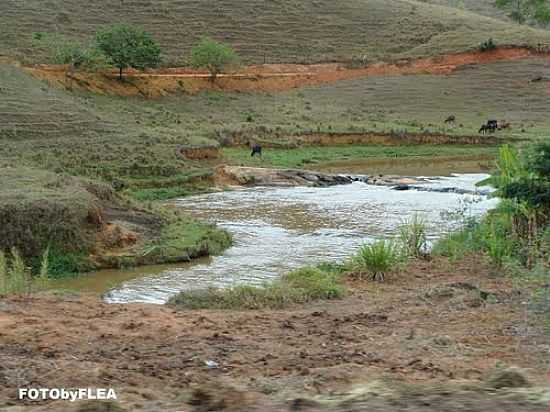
column 278, row 229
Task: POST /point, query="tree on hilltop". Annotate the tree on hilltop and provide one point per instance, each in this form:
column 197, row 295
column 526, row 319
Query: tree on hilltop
column 212, row 55
column 128, row 46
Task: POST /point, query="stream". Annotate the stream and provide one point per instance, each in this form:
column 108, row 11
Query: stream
column 278, row 229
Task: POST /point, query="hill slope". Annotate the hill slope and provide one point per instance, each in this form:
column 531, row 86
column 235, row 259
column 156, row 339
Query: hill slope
column 482, row 7
column 270, row 30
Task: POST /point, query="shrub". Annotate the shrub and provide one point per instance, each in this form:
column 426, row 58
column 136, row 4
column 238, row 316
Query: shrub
column 413, row 238
column 487, row 45
column 212, row 55
column 376, row 258
column 299, row 286
column 63, row 50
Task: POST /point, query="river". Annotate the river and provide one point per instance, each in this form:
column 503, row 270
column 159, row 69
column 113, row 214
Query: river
column 278, row 229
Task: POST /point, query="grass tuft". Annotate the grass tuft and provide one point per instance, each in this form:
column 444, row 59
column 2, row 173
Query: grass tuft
column 297, row 287
column 377, row 259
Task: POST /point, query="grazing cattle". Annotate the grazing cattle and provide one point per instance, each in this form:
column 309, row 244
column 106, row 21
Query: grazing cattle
column 483, row 129
column 450, row 119
column 256, row 150
column 491, row 126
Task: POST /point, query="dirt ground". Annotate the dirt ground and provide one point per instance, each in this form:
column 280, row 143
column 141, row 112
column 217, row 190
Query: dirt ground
column 436, row 322
column 264, row 78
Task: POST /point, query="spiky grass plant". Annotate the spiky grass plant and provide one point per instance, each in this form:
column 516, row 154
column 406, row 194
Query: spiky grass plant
column 377, row 259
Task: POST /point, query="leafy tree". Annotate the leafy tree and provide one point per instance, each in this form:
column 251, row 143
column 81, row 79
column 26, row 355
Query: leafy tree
column 128, row 46
column 524, row 11
column 212, row 55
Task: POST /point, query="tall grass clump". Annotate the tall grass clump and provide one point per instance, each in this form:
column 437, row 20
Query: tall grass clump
column 413, row 237
column 3, row 274
column 18, row 275
column 297, row 287
column 15, row 276
column 377, row 259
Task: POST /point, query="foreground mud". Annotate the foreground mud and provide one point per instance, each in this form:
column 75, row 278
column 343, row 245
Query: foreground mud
column 436, row 322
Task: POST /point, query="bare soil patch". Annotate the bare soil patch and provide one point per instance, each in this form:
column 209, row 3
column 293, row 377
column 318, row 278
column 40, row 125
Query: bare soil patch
column 429, row 324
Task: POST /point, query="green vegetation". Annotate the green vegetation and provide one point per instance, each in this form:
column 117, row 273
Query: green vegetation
column 487, row 45
column 182, row 240
column 63, row 50
column 15, row 276
column 516, row 232
column 272, row 31
column 413, row 237
column 526, row 11
column 377, row 259
column 213, row 55
column 299, row 286
column 310, row 155
column 128, row 46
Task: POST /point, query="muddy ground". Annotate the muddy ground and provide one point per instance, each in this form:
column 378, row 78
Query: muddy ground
column 436, row 322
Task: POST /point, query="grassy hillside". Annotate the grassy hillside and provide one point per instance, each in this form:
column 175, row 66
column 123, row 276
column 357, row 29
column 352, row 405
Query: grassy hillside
column 482, row 7
column 271, row 30
column 134, row 139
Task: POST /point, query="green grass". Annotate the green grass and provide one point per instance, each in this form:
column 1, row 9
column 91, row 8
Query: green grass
column 297, row 287
column 481, row 7
column 268, row 30
column 310, row 155
column 183, row 240
column 412, row 236
column 377, row 259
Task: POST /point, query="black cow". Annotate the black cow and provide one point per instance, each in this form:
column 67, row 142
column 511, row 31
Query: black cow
column 256, row 150
column 491, row 126
column 450, row 119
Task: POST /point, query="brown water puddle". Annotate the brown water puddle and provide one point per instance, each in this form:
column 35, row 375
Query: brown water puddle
column 101, row 281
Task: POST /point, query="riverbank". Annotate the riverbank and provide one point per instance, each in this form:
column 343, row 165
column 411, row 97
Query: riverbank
column 158, row 358
column 85, row 225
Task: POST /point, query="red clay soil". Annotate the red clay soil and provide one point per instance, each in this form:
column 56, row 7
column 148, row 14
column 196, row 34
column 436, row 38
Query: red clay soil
column 269, row 77
column 429, row 325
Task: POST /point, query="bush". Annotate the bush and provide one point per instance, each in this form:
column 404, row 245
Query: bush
column 492, row 236
column 67, row 51
column 212, row 55
column 376, row 258
column 413, row 238
column 487, row 45
column 297, row 287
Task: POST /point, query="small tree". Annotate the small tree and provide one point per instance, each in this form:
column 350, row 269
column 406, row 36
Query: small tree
column 212, row 55
column 128, row 46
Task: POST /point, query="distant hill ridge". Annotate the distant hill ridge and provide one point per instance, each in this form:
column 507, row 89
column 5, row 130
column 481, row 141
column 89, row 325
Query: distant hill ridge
column 270, row 31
